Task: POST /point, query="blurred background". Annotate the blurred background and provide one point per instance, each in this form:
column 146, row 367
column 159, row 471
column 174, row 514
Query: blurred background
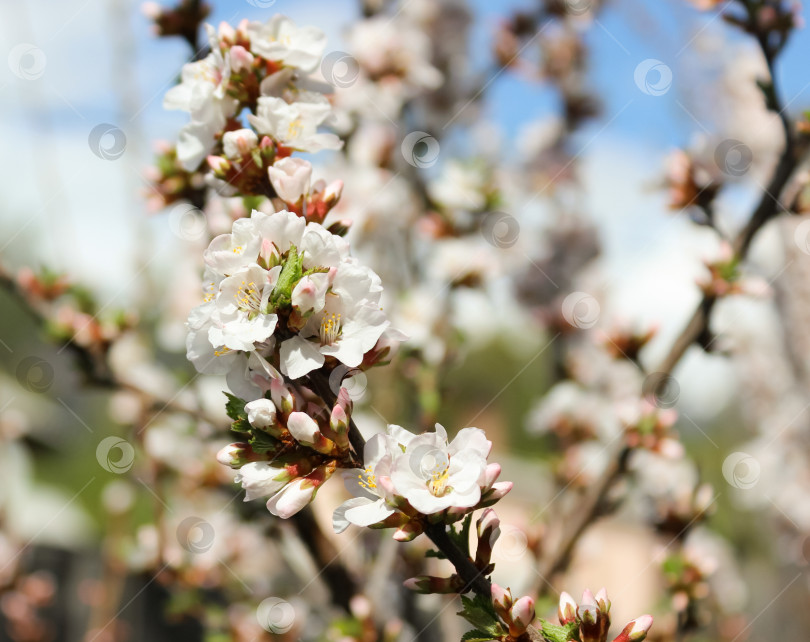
column 581, row 164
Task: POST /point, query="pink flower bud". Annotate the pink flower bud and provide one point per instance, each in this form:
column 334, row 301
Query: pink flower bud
column 282, row 397
column 408, row 531
column 495, row 493
column 305, row 431
column 226, row 32
column 521, row 615
column 602, row 600
column 491, row 474
column 332, row 193
column 151, row 10
column 241, row 58
column 587, row 597
column 234, row 455
column 635, row 630
column 567, row 612
column 488, row 522
column 219, row 165
column 430, row 584
column 501, row 600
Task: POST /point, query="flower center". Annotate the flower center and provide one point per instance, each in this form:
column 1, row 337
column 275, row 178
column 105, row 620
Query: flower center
column 295, row 128
column 437, row 485
column 330, row 329
column 248, row 297
column 367, row 479
column 210, row 291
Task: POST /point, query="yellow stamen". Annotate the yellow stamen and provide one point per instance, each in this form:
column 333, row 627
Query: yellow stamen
column 248, row 297
column 438, row 483
column 367, row 479
column 330, row 329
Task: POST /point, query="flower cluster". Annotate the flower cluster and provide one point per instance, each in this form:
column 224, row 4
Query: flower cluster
column 291, row 446
column 284, row 294
column 590, row 620
column 261, row 67
column 406, row 477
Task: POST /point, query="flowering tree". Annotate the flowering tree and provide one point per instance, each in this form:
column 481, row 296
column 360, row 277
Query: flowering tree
column 339, row 270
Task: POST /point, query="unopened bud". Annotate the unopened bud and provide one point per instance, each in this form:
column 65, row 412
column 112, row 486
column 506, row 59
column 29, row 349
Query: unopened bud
column 429, row 584
column 219, row 165
column 236, row 455
column 407, row 532
column 306, row 432
column 488, row 528
column 602, row 600
column 495, row 493
column 282, row 396
column 339, row 418
column 340, row 228
column 501, row 600
column 521, row 616
column 636, row 630
column 567, row 612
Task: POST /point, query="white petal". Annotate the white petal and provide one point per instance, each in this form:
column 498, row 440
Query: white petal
column 299, row 357
column 367, row 514
column 302, row 427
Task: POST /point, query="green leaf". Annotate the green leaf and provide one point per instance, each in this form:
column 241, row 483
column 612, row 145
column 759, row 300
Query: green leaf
column 242, row 426
column 436, row 554
column 261, row 442
column 235, row 407
column 461, row 538
column 480, row 612
column 476, row 636
column 291, row 273
column 553, row 633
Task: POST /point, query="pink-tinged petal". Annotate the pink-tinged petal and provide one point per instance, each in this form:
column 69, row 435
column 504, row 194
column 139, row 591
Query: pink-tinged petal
column 293, row 498
column 303, row 428
column 567, row 611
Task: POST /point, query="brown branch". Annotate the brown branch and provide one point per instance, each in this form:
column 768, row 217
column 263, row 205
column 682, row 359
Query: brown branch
column 340, row 584
column 696, row 330
column 586, row 512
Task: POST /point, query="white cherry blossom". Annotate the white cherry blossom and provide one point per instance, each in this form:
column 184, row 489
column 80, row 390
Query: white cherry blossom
column 280, row 40
column 434, row 475
column 202, row 93
column 295, row 125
